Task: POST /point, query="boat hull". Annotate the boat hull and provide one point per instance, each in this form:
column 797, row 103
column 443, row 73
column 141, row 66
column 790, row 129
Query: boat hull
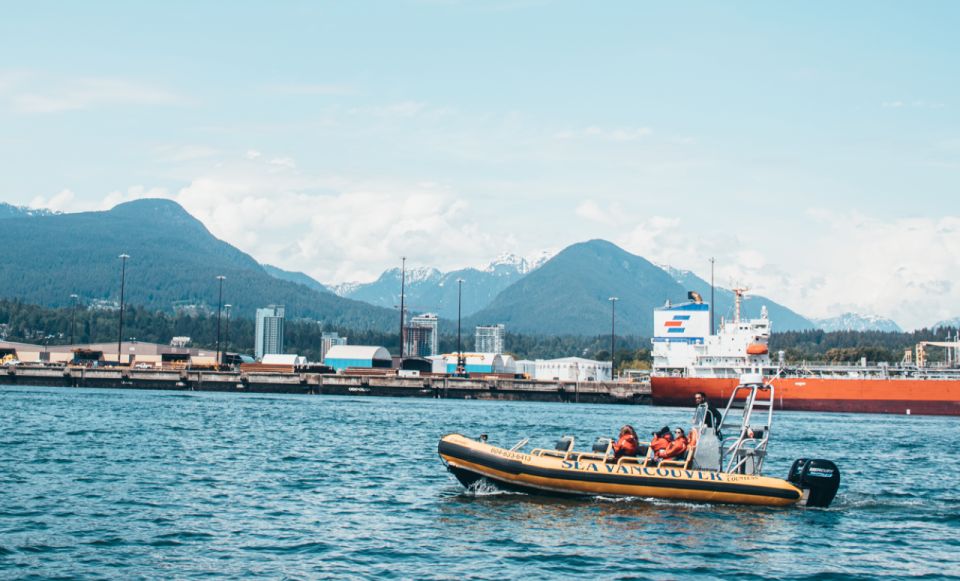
column 886, row 396
column 578, row 475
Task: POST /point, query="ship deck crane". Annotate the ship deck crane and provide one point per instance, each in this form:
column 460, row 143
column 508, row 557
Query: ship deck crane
column 952, row 351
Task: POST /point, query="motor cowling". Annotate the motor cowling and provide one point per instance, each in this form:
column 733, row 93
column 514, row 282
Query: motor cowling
column 819, row 480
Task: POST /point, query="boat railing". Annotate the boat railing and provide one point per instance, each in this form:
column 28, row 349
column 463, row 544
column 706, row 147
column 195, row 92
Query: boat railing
column 744, row 450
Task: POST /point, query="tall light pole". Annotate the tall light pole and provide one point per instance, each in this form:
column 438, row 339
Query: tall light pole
column 123, row 281
column 613, row 335
column 403, row 284
column 73, row 316
column 712, row 260
column 461, row 360
column 220, row 278
column 226, row 334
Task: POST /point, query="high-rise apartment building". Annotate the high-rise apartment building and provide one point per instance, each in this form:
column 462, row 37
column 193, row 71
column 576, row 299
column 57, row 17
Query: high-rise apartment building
column 269, row 340
column 421, row 338
column 488, row 339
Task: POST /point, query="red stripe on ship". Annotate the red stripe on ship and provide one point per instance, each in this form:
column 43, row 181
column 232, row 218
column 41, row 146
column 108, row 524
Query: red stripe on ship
column 886, row 396
column 673, row 323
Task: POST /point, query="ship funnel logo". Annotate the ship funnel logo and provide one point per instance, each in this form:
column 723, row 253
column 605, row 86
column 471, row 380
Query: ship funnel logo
column 675, row 325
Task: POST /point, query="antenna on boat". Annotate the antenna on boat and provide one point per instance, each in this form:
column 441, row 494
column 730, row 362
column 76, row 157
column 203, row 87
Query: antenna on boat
column 738, row 293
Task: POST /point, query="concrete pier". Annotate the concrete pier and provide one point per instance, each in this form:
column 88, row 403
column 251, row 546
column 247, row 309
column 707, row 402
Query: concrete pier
column 315, row 383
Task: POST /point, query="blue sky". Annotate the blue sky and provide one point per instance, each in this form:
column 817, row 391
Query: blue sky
column 814, row 149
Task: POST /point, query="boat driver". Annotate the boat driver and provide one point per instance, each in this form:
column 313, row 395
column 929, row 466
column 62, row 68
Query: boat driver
column 712, row 419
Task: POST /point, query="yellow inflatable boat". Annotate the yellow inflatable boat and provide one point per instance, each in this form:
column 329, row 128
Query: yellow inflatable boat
column 717, row 469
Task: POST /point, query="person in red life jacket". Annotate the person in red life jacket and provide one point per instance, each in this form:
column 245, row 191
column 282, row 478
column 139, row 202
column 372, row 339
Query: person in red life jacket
column 660, row 440
column 627, row 444
column 676, row 448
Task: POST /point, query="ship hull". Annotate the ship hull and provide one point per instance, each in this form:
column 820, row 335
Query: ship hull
column 882, row 396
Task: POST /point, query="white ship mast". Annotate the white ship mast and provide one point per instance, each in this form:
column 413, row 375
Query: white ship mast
column 737, row 301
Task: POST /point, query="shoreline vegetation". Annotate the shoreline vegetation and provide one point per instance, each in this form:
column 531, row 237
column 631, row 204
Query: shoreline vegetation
column 29, row 323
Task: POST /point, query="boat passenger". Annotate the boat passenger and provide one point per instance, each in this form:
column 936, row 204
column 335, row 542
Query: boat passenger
column 627, row 444
column 676, row 448
column 712, row 419
column 660, row 440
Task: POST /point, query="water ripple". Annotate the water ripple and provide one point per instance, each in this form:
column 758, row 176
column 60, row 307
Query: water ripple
column 139, row 484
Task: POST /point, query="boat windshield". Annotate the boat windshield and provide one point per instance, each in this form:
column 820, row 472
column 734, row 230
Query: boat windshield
column 699, row 415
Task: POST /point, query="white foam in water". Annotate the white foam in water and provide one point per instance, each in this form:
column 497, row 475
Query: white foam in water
column 484, row 488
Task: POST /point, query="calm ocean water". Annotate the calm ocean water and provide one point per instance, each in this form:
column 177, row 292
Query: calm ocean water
column 128, row 484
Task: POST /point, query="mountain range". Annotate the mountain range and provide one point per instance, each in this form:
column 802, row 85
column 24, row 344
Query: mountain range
column 174, row 261
column 429, row 289
column 856, row 322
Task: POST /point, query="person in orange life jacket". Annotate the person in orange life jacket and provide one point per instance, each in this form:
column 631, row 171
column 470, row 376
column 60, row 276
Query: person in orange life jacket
column 676, row 448
column 627, row 443
column 660, row 440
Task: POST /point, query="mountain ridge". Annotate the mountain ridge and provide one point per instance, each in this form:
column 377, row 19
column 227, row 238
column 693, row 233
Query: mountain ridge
column 173, row 261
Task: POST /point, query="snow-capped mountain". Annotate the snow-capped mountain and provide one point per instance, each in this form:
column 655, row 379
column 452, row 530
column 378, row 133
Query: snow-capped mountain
column 431, row 290
column 11, row 211
column 954, row 322
column 510, row 263
column 858, row 322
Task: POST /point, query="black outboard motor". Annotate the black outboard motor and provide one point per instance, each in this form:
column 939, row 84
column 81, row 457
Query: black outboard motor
column 819, row 479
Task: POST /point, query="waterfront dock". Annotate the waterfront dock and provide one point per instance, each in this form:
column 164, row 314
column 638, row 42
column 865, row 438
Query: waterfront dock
column 389, row 385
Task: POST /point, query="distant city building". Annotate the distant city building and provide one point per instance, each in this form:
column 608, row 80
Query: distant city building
column 421, row 337
column 571, row 369
column 269, row 338
column 328, row 340
column 489, row 339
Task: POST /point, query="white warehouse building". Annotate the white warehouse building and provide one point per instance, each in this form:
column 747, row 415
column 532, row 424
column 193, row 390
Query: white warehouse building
column 572, row 369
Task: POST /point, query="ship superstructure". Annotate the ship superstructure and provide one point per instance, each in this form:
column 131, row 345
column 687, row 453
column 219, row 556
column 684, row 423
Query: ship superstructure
column 684, row 346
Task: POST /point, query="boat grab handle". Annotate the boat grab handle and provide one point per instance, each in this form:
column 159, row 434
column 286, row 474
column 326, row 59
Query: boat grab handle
column 520, row 444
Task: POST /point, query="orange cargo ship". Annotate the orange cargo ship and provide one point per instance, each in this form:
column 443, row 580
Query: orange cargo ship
column 688, row 359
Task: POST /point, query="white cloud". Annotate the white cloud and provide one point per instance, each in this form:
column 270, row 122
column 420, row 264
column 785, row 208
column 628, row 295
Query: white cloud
column 332, row 229
column 311, row 89
column 605, row 134
column 181, row 153
column 38, row 94
column 63, row 201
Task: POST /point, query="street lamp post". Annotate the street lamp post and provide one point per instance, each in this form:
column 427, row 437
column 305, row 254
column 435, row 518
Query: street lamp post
column 220, row 278
column 613, row 336
column 73, row 316
column 226, row 332
column 461, row 360
column 403, row 285
column 123, row 282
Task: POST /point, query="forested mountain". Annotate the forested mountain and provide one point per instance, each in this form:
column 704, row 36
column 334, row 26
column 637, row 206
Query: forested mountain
column 173, row 261
column 10, row 211
column 954, row 322
column 569, row 294
column 430, row 290
column 297, row 277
